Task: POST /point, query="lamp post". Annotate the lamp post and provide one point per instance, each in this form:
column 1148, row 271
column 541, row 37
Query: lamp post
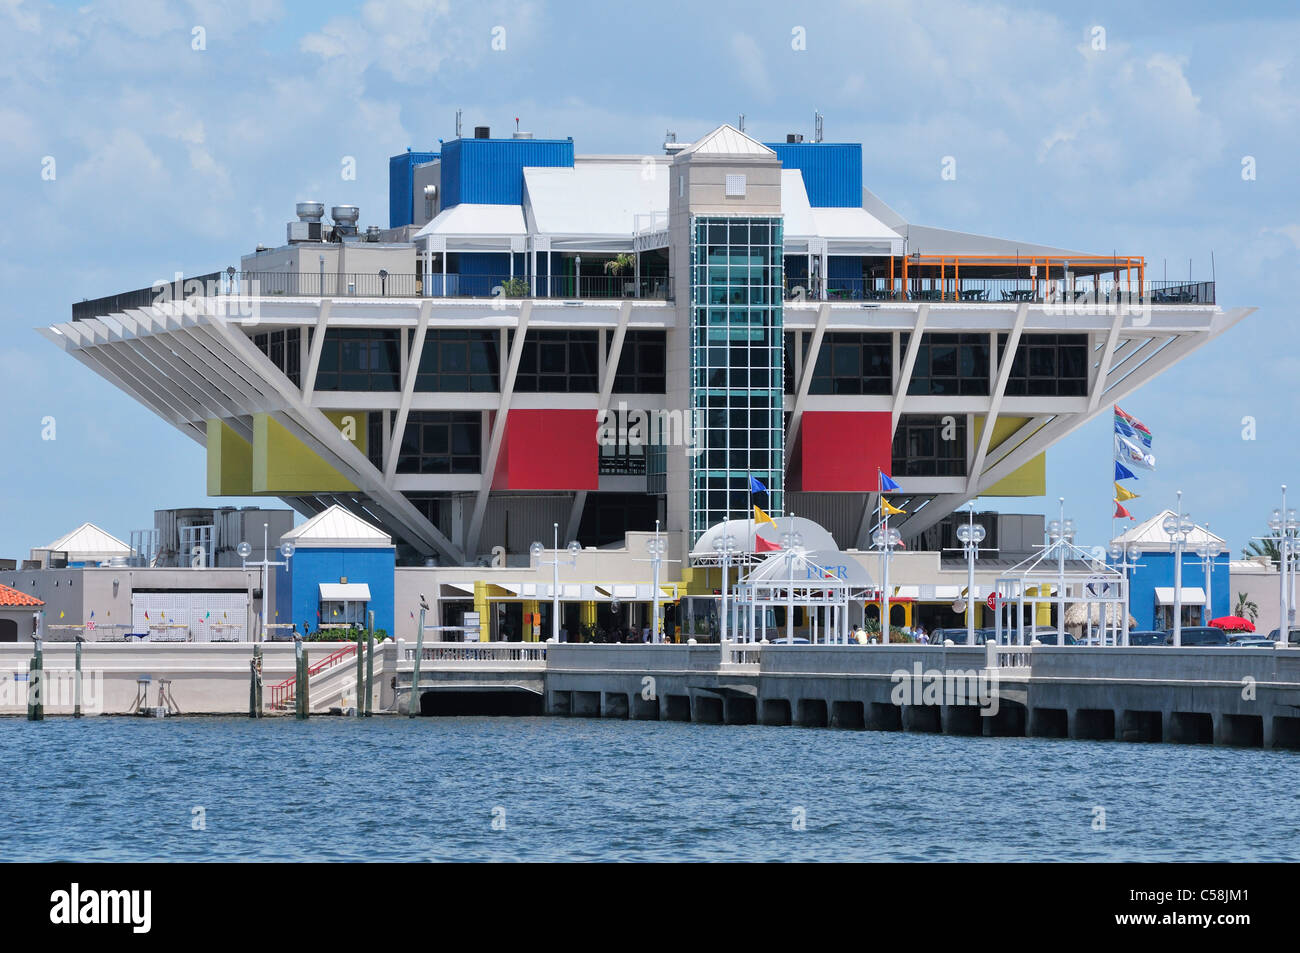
column 245, row 550
column 656, row 546
column 970, row 534
column 1177, row 526
column 1285, row 529
column 1207, row 551
column 725, row 546
column 886, row 539
column 791, row 541
column 1124, row 560
column 1061, row 532
column 536, row 550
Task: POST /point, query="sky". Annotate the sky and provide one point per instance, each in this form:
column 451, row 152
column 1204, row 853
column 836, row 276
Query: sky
column 180, row 135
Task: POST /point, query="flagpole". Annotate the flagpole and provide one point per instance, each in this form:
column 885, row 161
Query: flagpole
column 884, row 556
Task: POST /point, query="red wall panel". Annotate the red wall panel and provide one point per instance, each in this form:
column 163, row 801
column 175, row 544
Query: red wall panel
column 840, row 450
column 548, row 450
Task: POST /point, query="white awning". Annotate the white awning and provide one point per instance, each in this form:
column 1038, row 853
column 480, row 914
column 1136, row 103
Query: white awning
column 461, row 588
column 1192, row 595
column 345, row 591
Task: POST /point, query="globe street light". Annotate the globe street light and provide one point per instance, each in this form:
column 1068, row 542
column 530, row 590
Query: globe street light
column 1124, row 560
column 970, row 534
column 791, row 542
column 886, row 538
column 1285, row 529
column 1061, row 533
column 245, row 550
column 1177, row 527
column 725, row 546
column 1208, row 551
column 537, row 550
column 657, row 547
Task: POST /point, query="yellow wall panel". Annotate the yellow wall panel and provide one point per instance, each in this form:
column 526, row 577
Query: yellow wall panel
column 230, row 461
column 283, row 464
column 1027, row 480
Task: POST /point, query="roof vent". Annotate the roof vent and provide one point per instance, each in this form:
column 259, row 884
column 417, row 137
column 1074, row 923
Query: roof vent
column 522, row 135
column 345, row 219
column 310, row 211
column 482, row 132
column 308, row 226
column 372, row 233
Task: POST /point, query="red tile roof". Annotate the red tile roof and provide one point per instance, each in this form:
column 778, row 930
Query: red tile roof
column 10, row 597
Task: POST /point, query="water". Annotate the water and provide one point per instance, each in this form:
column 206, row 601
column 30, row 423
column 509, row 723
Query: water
column 338, row 789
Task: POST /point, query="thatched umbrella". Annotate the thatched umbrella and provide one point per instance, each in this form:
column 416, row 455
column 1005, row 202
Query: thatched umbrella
column 1080, row 614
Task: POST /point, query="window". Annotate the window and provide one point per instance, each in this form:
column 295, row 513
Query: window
column 284, row 348
column 375, row 420
column 558, row 362
column 950, row 364
column 930, row 445
column 459, row 361
column 357, row 359
column 642, row 363
column 624, row 458
column 737, row 365
column 854, row 364
column 439, row 441
column 1054, row 365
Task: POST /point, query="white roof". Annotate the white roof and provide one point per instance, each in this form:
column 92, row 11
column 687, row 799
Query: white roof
column 1150, row 535
column 729, row 141
column 89, row 542
column 1192, row 595
column 337, row 527
column 830, row 564
column 345, row 591
column 469, row 226
column 815, row 537
column 847, row 231
column 592, row 199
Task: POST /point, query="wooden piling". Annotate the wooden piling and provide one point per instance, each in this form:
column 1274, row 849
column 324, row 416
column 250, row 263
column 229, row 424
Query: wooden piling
column 36, row 686
column 414, row 701
column 255, row 682
column 370, row 667
column 76, row 686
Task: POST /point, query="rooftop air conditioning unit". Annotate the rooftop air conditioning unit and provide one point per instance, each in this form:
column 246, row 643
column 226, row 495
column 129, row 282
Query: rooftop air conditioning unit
column 794, row 137
column 482, row 132
column 522, row 135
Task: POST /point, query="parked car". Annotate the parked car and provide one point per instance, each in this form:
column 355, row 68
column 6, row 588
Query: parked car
column 1048, row 637
column 1248, row 640
column 1148, row 637
column 1200, row 635
column 1292, row 639
column 797, row 640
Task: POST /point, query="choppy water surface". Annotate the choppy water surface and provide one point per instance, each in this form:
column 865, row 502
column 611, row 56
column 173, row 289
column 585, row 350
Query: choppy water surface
column 574, row 789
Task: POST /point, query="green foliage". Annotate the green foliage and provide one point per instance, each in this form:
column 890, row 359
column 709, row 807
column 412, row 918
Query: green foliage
column 1246, row 608
column 515, row 288
column 624, row 264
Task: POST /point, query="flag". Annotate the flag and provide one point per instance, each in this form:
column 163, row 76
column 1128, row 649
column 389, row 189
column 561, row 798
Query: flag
column 60, row 613
column 1132, row 421
column 886, row 484
column 1121, row 512
column 761, row 517
column 1131, row 453
column 92, row 613
column 1122, row 494
column 762, row 545
column 146, row 615
column 1122, row 472
column 756, row 485
column 891, row 509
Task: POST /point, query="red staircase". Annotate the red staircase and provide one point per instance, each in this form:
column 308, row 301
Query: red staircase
column 283, row 694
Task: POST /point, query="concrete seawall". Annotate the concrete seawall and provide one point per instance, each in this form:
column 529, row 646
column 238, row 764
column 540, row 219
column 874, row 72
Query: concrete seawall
column 1221, row 696
column 206, row 678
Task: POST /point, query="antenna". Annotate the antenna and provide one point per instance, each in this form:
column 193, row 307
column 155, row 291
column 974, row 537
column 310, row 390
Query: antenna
column 457, row 123
column 741, row 124
column 817, row 126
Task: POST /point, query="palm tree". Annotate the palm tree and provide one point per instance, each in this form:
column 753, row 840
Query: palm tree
column 1261, row 547
column 1246, row 608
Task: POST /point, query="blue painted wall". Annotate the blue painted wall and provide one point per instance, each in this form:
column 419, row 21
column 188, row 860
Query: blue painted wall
column 1157, row 569
column 832, row 171
column 491, row 171
column 297, row 591
column 401, row 186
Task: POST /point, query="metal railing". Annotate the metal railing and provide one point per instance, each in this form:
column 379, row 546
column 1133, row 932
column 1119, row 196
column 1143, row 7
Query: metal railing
column 1084, row 291
column 478, row 653
column 315, row 285
column 747, row 655
column 283, row 693
column 1009, row 656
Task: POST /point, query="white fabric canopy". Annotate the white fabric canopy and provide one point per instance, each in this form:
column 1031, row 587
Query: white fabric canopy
column 1192, row 595
column 345, row 591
